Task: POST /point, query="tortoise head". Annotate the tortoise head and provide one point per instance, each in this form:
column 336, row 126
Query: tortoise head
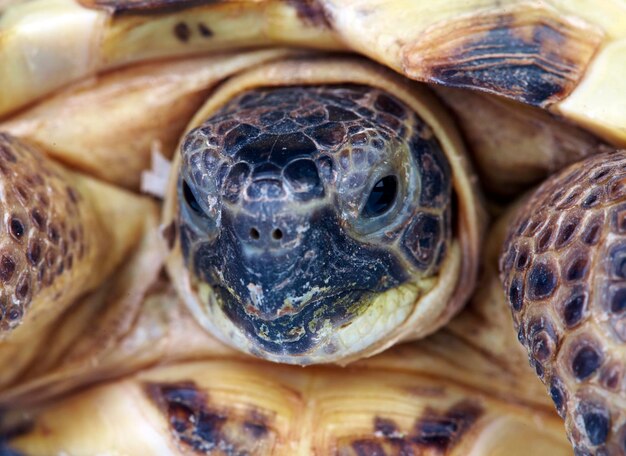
column 309, row 217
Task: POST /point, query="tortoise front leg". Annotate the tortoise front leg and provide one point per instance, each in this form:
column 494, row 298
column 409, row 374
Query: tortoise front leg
column 62, row 235
column 564, row 271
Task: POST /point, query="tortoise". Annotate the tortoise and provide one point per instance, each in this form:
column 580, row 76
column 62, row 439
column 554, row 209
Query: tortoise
column 335, row 166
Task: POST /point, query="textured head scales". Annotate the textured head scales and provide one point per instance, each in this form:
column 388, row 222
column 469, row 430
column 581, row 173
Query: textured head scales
column 301, row 205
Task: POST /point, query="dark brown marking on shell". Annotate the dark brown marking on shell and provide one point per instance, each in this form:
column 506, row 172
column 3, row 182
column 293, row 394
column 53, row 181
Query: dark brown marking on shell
column 204, row 30
column 434, row 431
column 586, row 311
column 312, row 12
column 532, row 56
column 368, row 447
column 203, row 427
column 182, row 31
column 442, row 431
column 256, row 427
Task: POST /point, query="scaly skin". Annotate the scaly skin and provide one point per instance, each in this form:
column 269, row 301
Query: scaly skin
column 563, row 268
column 273, row 216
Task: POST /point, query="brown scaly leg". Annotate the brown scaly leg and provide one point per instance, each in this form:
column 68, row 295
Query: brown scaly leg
column 564, row 272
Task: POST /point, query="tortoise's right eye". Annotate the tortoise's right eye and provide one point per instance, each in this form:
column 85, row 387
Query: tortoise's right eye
column 191, row 200
column 382, row 197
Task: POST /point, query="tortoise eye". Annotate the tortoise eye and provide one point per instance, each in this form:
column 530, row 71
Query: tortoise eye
column 382, row 197
column 190, row 199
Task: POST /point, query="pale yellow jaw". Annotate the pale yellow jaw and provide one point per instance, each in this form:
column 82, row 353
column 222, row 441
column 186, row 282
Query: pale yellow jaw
column 384, row 314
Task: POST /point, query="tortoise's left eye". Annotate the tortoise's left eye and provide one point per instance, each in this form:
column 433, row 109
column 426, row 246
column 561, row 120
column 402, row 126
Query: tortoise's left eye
column 191, row 200
column 381, row 198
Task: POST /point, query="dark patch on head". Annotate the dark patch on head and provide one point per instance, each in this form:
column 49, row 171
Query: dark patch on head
column 618, row 219
column 536, row 60
column 424, row 239
column 234, row 181
column 566, row 232
column 328, row 134
column 387, row 104
column 522, row 258
column 577, row 269
column 303, row 178
column 435, row 172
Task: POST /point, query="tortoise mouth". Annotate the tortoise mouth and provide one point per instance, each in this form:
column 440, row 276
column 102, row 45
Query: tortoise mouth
column 295, row 331
column 328, row 329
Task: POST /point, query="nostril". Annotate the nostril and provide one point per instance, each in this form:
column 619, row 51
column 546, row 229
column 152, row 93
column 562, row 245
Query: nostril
column 254, row 234
column 277, row 234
